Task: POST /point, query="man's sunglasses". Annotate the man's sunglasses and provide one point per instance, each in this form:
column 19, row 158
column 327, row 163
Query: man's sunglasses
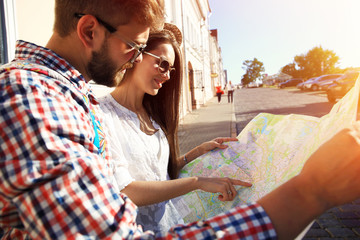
column 164, row 65
column 139, row 48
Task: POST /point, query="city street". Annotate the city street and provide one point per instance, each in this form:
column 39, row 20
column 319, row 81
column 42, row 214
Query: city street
column 251, row 101
column 338, row 223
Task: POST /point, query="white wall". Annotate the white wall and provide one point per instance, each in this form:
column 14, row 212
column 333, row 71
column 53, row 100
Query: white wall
column 10, row 23
column 35, row 19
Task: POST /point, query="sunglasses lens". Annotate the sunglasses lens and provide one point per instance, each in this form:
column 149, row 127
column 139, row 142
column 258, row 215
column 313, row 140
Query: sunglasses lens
column 164, row 66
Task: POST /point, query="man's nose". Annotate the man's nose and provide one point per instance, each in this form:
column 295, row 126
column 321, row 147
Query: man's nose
column 139, row 58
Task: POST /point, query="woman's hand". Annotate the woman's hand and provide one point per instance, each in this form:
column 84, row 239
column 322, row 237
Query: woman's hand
column 215, row 143
column 202, row 149
column 224, row 186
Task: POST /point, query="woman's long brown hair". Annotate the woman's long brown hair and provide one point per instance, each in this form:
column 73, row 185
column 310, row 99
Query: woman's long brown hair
column 164, row 107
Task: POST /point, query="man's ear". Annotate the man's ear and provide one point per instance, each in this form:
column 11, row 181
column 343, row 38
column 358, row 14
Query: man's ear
column 90, row 32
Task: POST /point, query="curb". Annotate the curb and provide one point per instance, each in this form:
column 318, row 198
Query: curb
column 233, row 130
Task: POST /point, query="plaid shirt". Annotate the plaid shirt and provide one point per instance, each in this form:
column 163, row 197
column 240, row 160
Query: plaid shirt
column 55, row 179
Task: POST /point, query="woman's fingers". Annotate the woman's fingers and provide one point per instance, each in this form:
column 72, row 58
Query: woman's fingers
column 221, row 140
column 227, row 196
column 217, row 143
column 226, row 139
column 240, row 183
column 224, row 186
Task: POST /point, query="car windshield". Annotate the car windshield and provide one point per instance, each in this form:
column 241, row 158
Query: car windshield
column 328, row 77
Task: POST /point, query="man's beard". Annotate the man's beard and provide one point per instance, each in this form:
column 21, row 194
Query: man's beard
column 102, row 70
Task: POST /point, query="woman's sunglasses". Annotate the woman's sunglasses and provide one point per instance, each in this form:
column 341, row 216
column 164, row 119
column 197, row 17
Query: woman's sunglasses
column 164, row 65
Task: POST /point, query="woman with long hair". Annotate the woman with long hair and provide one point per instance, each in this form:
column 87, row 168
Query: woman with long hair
column 143, row 115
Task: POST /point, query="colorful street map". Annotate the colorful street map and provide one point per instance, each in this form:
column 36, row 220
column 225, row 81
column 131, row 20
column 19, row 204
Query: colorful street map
column 271, row 150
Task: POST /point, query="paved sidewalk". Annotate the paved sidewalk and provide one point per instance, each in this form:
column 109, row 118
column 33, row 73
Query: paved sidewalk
column 206, row 123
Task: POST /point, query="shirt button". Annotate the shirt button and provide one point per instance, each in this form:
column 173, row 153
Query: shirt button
column 200, row 223
column 220, row 234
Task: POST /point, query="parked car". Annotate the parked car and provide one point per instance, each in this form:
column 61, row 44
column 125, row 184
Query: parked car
column 315, row 84
column 341, row 86
column 323, row 86
column 253, row 84
column 301, row 86
column 291, row 82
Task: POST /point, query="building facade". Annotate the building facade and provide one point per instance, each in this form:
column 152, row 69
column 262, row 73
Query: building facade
column 201, row 51
column 218, row 74
column 200, row 48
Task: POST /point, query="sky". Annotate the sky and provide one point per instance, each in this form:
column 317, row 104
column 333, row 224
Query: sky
column 275, row 31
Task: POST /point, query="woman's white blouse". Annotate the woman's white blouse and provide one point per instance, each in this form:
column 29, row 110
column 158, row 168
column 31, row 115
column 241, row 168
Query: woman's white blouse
column 141, row 157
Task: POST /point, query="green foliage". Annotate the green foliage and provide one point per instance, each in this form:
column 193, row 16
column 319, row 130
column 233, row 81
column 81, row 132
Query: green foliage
column 291, row 70
column 253, row 68
column 316, row 62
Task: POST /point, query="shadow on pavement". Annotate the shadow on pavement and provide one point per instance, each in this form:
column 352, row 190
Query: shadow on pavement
column 313, row 109
column 193, row 134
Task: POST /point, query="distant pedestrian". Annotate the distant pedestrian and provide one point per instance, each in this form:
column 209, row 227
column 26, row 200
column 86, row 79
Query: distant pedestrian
column 219, row 92
column 230, row 90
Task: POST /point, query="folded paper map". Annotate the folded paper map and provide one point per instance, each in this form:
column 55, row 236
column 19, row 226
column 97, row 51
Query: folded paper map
column 271, row 149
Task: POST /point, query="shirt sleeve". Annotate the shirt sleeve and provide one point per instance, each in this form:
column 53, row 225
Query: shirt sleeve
column 244, row 222
column 120, row 164
column 53, row 184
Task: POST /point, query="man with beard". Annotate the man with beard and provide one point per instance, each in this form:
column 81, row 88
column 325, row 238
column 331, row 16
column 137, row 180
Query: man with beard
column 56, row 175
column 57, row 178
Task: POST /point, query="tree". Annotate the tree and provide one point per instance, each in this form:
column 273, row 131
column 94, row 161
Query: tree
column 245, row 79
column 290, row 69
column 316, row 62
column 253, row 68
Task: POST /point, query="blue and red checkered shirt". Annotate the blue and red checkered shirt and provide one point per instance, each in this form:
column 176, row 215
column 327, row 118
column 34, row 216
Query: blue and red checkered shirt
column 55, row 168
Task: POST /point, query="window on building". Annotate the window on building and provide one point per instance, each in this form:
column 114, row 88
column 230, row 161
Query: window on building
column 199, row 81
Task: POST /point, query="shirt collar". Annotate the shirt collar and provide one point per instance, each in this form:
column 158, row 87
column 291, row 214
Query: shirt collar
column 48, row 58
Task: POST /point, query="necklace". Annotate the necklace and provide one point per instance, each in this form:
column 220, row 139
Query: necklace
column 146, row 125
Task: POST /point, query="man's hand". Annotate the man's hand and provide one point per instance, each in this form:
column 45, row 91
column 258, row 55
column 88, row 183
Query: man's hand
column 330, row 177
column 333, row 171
